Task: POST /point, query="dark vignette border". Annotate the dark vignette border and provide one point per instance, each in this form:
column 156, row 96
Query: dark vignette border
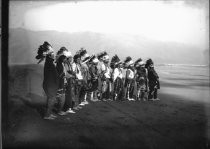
column 4, row 63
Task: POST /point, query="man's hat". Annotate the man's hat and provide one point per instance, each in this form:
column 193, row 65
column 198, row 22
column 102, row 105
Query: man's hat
column 149, row 62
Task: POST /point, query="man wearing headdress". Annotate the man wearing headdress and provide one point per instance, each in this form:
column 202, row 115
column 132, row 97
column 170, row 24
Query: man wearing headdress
column 129, row 78
column 141, row 79
column 79, row 81
column 86, row 75
column 70, row 85
column 60, row 58
column 93, row 70
column 51, row 77
column 117, row 77
column 105, row 77
column 60, row 52
column 153, row 80
column 99, row 67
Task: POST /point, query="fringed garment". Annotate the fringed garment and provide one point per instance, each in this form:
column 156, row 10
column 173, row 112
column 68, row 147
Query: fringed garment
column 142, row 82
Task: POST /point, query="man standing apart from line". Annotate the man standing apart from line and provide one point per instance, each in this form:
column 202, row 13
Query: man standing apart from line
column 153, row 80
column 51, row 78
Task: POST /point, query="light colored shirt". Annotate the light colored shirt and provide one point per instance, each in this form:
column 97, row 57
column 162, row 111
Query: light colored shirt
column 99, row 66
column 106, row 70
column 129, row 74
column 67, row 68
column 117, row 73
column 123, row 72
column 77, row 69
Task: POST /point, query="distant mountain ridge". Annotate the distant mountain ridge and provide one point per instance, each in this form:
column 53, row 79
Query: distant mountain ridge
column 23, row 46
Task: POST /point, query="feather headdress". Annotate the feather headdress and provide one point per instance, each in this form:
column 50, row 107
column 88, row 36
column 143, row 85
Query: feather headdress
column 43, row 51
column 114, row 61
column 61, row 52
column 83, row 53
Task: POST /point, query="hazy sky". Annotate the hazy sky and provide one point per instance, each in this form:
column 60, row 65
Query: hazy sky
column 174, row 21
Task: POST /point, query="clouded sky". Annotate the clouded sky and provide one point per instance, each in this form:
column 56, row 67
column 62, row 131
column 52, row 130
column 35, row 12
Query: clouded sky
column 172, row 21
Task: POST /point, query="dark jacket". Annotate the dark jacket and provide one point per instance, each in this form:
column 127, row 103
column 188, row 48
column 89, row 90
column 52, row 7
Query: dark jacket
column 93, row 70
column 51, row 79
column 61, row 73
column 93, row 82
column 153, row 77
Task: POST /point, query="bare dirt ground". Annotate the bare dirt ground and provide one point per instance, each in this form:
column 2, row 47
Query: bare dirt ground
column 174, row 122
column 169, row 123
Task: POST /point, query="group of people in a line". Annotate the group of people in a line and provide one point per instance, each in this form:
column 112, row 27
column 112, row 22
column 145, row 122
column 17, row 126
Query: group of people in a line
column 72, row 81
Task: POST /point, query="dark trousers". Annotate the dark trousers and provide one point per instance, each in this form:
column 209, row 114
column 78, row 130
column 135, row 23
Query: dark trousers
column 79, row 91
column 51, row 92
column 106, row 89
column 69, row 94
column 61, row 100
column 51, row 100
column 93, row 88
column 118, row 89
column 94, row 85
column 99, row 88
column 152, row 92
column 141, row 90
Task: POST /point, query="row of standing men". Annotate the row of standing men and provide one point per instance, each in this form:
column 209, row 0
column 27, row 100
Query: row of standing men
column 71, row 82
